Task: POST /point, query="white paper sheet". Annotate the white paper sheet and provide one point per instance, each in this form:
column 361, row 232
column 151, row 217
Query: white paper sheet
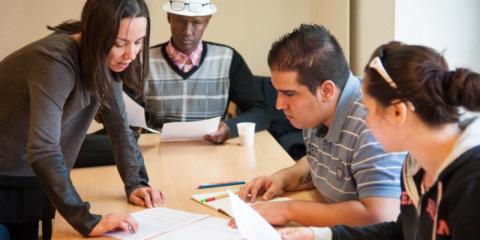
column 136, row 114
column 250, row 224
column 155, row 221
column 211, row 228
column 189, row 130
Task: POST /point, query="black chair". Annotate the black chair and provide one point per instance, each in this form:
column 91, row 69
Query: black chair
column 289, row 137
column 47, row 218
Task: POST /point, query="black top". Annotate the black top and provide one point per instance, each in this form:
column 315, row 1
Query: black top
column 447, row 210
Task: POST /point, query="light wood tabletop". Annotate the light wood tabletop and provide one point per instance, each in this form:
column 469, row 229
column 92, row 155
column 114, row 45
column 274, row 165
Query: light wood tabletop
column 177, row 168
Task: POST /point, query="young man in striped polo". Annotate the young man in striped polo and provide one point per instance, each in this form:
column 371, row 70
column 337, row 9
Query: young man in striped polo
column 191, row 79
column 345, row 163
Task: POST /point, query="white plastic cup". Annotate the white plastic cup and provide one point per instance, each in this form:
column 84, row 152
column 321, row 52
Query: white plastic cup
column 246, row 133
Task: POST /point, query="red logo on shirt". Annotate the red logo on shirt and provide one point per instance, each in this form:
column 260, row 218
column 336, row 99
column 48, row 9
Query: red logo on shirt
column 405, row 199
column 442, row 228
column 431, row 208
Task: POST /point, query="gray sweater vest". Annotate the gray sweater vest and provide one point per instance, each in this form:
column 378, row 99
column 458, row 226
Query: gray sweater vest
column 202, row 94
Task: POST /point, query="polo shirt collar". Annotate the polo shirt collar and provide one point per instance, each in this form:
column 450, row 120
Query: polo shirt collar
column 350, row 93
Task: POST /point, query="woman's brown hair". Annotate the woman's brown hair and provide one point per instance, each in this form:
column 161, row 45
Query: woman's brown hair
column 99, row 24
column 423, row 78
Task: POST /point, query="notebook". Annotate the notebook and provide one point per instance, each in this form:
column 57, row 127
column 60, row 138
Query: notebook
column 222, row 201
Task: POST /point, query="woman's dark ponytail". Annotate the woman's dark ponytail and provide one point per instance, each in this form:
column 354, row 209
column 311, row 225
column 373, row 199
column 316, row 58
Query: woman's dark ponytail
column 462, row 88
column 423, row 79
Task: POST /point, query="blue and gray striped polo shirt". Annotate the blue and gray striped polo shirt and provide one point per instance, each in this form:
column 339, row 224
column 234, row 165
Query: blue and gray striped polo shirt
column 346, row 161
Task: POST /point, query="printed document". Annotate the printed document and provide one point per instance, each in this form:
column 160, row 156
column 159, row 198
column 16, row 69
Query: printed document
column 155, row 221
column 210, row 228
column 136, row 114
column 189, row 130
column 250, row 224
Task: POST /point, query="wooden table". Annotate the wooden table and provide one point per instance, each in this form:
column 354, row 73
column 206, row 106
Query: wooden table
column 177, row 168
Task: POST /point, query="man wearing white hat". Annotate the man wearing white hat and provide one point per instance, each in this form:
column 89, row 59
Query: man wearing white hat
column 191, row 79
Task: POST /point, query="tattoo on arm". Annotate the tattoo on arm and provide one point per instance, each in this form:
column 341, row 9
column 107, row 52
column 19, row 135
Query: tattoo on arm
column 307, row 178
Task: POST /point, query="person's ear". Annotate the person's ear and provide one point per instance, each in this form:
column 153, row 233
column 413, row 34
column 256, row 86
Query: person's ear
column 396, row 114
column 326, row 91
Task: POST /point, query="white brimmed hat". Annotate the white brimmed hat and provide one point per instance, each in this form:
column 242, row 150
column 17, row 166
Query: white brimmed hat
column 191, row 8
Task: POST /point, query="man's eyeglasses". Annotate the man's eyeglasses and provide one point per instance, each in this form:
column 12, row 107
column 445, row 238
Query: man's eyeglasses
column 192, row 7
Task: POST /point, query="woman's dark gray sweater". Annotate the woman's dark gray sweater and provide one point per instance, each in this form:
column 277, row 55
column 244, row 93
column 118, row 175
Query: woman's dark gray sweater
column 45, row 113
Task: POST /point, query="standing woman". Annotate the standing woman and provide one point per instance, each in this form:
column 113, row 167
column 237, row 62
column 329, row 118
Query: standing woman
column 413, row 102
column 50, row 91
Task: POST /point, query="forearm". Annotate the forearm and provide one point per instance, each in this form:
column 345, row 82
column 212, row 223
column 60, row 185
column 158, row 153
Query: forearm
column 296, row 177
column 353, row 213
column 127, row 156
column 55, row 181
column 128, row 159
column 385, row 230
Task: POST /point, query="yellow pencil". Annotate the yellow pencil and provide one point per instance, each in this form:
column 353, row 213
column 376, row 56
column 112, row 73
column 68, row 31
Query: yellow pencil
column 218, row 196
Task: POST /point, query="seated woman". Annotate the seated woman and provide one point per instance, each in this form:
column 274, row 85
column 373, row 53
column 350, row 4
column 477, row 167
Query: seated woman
column 413, row 102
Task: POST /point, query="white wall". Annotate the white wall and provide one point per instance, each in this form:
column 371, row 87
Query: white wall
column 452, row 26
column 250, row 26
column 372, row 24
column 335, row 16
column 23, row 21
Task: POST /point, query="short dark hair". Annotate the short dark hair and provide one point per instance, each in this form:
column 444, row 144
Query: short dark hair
column 312, row 52
column 423, row 78
column 99, row 25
